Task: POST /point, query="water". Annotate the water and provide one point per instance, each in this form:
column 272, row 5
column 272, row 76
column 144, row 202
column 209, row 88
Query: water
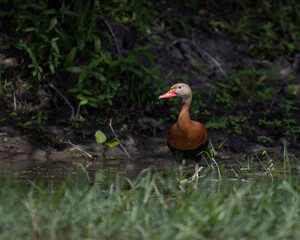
column 98, row 169
column 104, row 170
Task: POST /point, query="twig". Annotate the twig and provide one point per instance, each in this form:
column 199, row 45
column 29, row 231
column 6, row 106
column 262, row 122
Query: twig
column 179, row 40
column 155, row 33
column 116, row 42
column 15, row 102
column 110, row 125
column 78, row 111
column 113, row 35
column 213, row 60
column 79, row 149
column 66, row 100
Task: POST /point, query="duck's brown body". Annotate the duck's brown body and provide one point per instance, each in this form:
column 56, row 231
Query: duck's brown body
column 187, row 137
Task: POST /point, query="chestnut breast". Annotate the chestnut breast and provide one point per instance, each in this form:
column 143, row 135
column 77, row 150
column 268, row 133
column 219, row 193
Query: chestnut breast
column 187, row 139
column 186, row 134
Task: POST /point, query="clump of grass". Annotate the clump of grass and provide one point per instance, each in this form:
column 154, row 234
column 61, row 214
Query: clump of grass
column 153, row 207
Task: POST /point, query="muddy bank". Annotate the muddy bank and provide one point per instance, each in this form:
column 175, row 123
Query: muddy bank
column 19, row 147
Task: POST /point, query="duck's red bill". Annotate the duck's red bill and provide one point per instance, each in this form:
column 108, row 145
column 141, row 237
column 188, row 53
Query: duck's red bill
column 169, row 94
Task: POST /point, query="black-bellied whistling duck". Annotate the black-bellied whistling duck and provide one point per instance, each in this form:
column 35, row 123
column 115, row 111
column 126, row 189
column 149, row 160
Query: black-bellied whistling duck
column 186, row 138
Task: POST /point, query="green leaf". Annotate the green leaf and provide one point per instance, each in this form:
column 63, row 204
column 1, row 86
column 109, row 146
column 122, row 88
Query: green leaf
column 74, row 90
column 111, row 143
column 83, row 102
column 71, row 57
column 52, row 69
column 86, row 71
column 99, row 76
column 94, row 63
column 29, row 29
column 74, row 69
column 34, row 6
column 86, row 92
column 23, row 125
column 53, row 23
column 54, row 45
column 51, row 11
column 97, row 43
column 100, row 137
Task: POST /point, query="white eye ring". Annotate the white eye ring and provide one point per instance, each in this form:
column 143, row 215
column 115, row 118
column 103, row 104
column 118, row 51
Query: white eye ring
column 179, row 87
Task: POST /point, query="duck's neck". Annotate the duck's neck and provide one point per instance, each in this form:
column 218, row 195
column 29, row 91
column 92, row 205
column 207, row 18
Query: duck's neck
column 184, row 116
column 187, row 100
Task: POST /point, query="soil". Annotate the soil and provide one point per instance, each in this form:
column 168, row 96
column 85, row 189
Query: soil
column 144, row 135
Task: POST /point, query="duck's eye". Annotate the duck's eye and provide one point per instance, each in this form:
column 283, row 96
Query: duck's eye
column 179, row 87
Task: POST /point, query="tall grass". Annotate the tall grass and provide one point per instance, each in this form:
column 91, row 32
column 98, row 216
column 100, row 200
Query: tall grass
column 152, row 207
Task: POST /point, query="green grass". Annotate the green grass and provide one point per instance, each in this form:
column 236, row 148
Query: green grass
column 249, row 85
column 153, row 207
column 272, row 27
column 254, row 90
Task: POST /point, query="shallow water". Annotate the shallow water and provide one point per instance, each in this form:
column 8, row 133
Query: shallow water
column 104, row 170
column 98, row 169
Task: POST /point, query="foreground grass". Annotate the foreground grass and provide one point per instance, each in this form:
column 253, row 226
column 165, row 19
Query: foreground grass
column 152, row 207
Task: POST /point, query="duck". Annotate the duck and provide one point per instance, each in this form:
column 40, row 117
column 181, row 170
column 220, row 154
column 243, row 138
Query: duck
column 186, row 139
